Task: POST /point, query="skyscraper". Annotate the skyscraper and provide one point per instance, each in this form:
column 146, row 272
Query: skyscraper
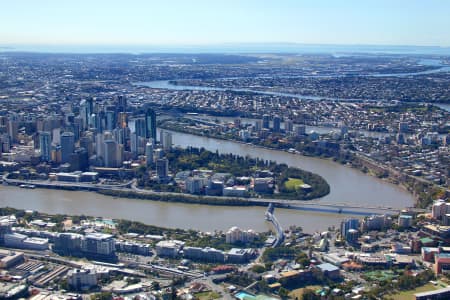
column 139, row 127
column 288, row 125
column 79, row 160
column 122, row 120
column 276, row 123
column 93, row 121
column 56, row 153
column 300, row 130
column 162, row 168
column 149, row 153
column 110, row 154
column 56, row 136
column 265, row 121
column 119, row 155
column 165, row 139
column 45, row 144
column 121, row 104
column 67, row 146
column 87, row 142
column 5, row 143
column 13, row 130
column 99, row 145
column 100, row 125
column 347, row 225
column 134, row 144
column 86, row 110
column 258, row 125
column 119, row 135
column 150, row 124
column 110, row 120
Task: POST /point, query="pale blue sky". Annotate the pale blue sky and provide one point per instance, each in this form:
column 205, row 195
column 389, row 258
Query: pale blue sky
column 191, row 22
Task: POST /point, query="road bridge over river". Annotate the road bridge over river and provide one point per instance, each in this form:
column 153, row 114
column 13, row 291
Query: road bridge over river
column 269, row 215
column 131, row 186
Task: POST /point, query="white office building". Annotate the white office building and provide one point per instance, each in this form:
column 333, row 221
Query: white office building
column 81, row 279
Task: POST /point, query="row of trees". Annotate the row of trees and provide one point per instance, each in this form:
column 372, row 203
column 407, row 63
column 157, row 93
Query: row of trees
column 183, row 198
column 319, row 187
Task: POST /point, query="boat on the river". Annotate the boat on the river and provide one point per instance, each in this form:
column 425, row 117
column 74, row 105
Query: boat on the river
column 27, row 186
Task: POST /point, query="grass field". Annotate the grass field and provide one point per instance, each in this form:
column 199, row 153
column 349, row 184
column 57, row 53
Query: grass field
column 381, row 275
column 408, row 295
column 298, row 293
column 207, row 295
column 293, row 183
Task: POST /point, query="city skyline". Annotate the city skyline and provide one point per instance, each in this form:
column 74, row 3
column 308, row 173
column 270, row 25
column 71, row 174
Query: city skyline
column 263, row 146
column 200, row 23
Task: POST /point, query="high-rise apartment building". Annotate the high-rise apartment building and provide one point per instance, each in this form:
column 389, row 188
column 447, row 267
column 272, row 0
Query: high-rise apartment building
column 45, row 145
column 150, row 124
column 67, row 146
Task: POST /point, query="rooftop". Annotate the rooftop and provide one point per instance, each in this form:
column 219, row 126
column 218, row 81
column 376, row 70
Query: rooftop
column 430, row 249
column 328, row 267
column 443, row 255
column 171, row 243
column 99, row 236
column 426, row 240
column 289, row 273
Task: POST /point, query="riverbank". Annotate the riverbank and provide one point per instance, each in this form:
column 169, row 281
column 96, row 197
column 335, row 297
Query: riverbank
column 185, row 85
column 423, row 191
column 164, row 214
column 252, row 178
column 349, row 188
column 364, row 165
column 122, row 227
column 182, row 198
column 150, row 195
column 171, row 197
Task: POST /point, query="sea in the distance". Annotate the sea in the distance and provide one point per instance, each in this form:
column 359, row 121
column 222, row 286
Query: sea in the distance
column 231, row 48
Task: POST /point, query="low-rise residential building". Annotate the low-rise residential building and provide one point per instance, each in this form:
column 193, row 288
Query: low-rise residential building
column 442, row 263
column 204, row 254
column 347, row 225
column 196, row 184
column 239, row 256
column 235, row 234
column 439, row 209
column 294, row 277
column 81, row 279
column 376, row 222
column 169, row 248
column 133, row 247
column 263, row 185
column 99, row 244
column 436, row 231
column 373, row 260
column 427, row 253
column 335, row 259
column 405, row 221
column 9, row 259
column 235, row 191
column 329, row 270
column 17, row 240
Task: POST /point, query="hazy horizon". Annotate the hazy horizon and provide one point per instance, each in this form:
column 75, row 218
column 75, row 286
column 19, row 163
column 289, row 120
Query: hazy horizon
column 232, row 48
column 202, row 22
